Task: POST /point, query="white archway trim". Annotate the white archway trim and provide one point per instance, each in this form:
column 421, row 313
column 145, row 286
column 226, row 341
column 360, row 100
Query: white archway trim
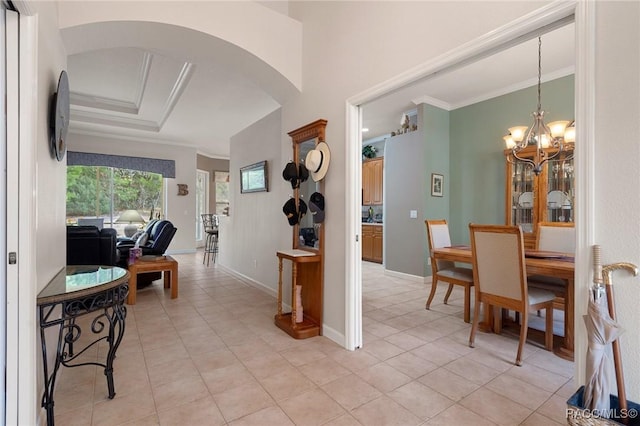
column 550, row 16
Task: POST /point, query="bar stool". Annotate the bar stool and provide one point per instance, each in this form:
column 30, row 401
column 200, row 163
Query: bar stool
column 210, row 222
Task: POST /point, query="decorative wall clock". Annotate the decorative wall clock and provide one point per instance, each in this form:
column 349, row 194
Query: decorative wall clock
column 59, row 118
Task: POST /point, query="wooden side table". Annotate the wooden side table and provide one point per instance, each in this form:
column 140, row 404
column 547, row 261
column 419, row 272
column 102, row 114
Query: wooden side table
column 306, row 270
column 166, row 264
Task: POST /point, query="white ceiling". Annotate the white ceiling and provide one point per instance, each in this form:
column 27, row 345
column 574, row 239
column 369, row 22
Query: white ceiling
column 141, row 94
column 135, row 93
column 503, row 72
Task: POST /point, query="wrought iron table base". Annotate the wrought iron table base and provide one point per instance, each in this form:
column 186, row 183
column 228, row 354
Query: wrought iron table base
column 112, row 313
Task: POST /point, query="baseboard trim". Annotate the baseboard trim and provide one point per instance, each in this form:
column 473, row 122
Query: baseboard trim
column 405, row 276
column 334, row 335
column 327, row 331
column 183, row 251
column 250, row 281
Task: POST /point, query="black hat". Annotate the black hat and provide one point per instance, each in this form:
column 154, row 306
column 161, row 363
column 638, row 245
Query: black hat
column 316, row 205
column 302, row 209
column 294, row 213
column 290, row 173
column 289, row 209
column 303, row 173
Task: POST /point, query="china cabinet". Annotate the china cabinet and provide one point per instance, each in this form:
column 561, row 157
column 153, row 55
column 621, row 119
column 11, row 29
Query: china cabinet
column 531, row 199
column 372, row 176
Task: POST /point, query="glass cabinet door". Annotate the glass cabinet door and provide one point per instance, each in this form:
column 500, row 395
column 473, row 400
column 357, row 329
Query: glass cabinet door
column 522, row 197
column 560, row 191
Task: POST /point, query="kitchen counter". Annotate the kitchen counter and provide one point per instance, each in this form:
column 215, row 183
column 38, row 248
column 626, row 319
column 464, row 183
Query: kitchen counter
column 373, row 223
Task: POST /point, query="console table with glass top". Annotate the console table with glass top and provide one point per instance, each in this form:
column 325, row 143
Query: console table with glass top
column 76, row 291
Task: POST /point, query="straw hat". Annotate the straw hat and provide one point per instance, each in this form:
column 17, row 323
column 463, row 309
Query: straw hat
column 317, row 161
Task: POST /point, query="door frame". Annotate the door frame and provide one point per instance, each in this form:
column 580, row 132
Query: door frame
column 583, row 13
column 207, row 192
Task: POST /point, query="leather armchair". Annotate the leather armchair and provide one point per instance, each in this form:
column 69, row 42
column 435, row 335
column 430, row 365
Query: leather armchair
column 160, row 237
column 88, row 245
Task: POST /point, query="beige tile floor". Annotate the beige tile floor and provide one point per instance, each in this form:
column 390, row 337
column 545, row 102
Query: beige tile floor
column 214, row 357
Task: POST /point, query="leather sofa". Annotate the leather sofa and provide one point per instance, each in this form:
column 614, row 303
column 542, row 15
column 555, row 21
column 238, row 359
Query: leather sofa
column 88, row 245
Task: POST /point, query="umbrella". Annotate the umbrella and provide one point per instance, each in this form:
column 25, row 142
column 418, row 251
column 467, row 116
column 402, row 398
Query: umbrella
column 601, row 332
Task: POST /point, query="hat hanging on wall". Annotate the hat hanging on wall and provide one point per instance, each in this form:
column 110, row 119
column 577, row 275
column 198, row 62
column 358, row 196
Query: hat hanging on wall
column 316, row 206
column 290, row 173
column 294, row 213
column 317, row 161
column 294, row 174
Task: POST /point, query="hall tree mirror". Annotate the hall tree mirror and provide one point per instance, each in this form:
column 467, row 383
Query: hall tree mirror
column 308, row 235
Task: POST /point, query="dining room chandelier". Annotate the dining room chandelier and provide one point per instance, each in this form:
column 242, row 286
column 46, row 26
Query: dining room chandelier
column 549, row 140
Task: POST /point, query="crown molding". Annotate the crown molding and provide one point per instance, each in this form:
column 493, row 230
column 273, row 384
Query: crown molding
column 176, row 92
column 112, row 120
column 130, row 138
column 432, row 101
column 102, row 103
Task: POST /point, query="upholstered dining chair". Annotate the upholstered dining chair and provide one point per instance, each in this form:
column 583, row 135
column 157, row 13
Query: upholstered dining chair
column 500, row 278
column 556, row 236
column 560, row 237
column 438, row 237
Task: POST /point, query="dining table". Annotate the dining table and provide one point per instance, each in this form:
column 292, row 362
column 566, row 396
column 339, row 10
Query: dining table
column 548, row 263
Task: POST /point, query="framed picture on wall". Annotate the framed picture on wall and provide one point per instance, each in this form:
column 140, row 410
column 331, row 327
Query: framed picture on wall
column 253, row 178
column 437, row 184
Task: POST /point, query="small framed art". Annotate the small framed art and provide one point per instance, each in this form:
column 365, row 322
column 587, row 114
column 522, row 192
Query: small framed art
column 437, row 184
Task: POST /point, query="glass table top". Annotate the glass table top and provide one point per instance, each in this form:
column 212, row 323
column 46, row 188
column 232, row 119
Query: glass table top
column 79, row 280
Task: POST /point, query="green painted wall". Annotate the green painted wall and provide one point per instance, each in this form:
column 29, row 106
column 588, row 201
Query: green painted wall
column 437, row 160
column 477, row 164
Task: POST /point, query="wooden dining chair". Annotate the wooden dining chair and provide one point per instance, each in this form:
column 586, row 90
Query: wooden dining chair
column 438, row 236
column 558, row 237
column 500, row 277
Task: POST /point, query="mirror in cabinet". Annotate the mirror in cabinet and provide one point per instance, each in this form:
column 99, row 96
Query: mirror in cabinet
column 307, row 234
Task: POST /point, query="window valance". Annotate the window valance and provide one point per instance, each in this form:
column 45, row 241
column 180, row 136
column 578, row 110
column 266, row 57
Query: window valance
column 167, row 168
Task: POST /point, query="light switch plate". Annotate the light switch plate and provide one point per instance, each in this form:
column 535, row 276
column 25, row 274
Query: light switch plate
column 413, row 214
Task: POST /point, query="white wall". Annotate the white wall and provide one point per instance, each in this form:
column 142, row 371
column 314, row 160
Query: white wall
column 181, row 210
column 256, row 227
column 617, row 177
column 349, row 47
column 50, row 211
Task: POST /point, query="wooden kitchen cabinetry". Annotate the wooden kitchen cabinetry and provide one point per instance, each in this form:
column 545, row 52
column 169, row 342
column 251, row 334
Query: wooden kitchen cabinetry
column 372, row 172
column 372, row 243
column 531, row 199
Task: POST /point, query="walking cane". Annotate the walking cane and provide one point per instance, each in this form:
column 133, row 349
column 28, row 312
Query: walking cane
column 607, row 271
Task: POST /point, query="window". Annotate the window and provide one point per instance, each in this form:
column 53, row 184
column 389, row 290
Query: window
column 105, row 192
column 222, row 193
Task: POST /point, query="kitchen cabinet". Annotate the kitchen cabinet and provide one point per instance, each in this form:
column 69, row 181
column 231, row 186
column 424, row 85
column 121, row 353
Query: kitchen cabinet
column 531, row 199
column 372, row 181
column 372, row 243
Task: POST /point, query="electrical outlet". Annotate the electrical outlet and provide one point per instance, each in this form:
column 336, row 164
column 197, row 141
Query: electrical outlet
column 413, row 214
column 255, row 263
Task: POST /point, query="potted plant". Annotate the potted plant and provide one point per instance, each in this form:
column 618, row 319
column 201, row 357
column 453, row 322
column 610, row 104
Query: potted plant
column 368, row 151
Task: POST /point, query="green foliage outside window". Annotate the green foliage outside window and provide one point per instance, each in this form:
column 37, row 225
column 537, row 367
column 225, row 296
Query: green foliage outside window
column 89, row 191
